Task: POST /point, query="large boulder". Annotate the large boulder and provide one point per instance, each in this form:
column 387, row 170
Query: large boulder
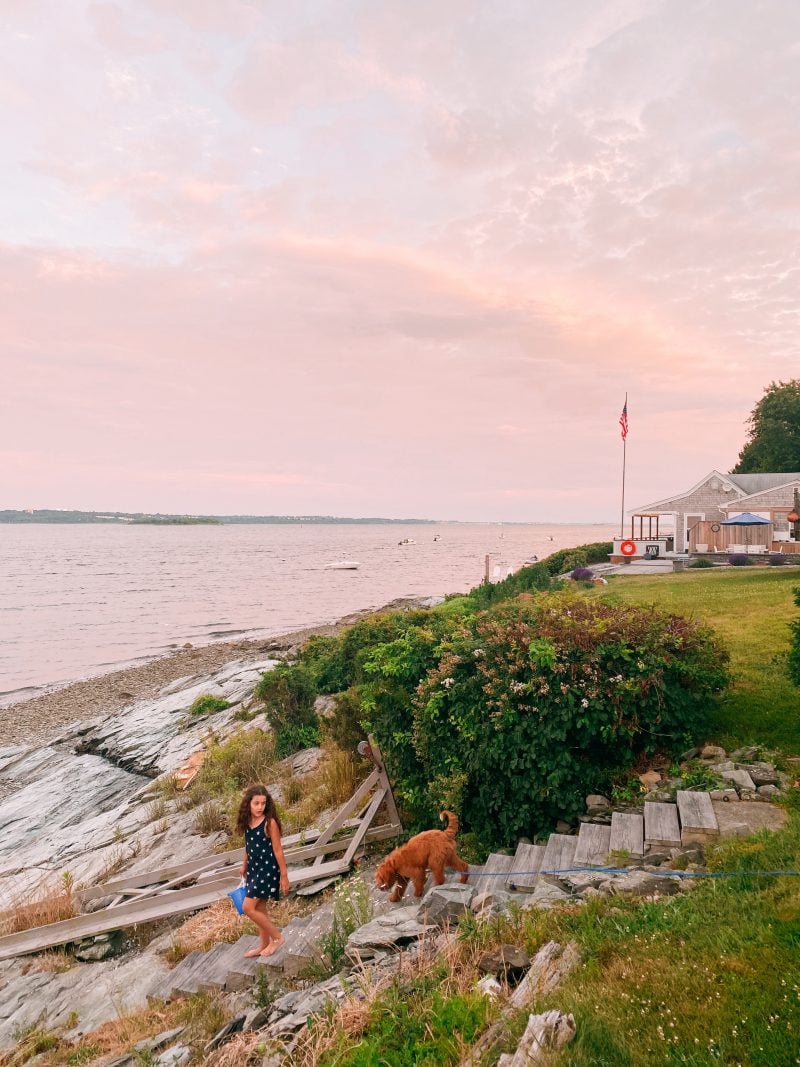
column 445, row 903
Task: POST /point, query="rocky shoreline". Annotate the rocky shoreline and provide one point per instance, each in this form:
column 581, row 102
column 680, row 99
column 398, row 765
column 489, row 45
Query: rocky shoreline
column 39, row 719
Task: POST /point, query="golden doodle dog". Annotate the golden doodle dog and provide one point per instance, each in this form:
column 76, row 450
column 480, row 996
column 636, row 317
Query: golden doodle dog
column 432, row 850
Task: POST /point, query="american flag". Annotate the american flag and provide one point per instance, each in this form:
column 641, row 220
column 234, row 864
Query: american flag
column 623, row 420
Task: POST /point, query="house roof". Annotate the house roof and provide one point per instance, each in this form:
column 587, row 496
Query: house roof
column 726, row 479
column 752, row 501
column 759, row 483
column 743, row 485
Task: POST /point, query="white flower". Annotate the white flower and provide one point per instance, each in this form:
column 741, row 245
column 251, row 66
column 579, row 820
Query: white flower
column 447, row 682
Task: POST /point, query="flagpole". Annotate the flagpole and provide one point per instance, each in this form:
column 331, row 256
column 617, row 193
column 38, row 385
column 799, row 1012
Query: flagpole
column 622, row 516
column 624, row 457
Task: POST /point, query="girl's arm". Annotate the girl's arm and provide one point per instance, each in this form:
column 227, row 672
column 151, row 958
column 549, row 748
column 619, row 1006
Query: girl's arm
column 277, row 848
column 244, row 863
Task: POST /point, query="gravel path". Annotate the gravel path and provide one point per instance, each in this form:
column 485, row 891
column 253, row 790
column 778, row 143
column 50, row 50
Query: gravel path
column 42, row 717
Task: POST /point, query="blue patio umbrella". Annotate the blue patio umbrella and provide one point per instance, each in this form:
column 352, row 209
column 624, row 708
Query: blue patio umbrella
column 747, row 518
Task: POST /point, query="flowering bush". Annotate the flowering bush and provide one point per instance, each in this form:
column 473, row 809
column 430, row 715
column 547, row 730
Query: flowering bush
column 581, row 574
column 740, row 561
column 777, row 559
column 532, row 704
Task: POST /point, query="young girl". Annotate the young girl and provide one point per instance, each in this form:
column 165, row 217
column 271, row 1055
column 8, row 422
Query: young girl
column 264, row 866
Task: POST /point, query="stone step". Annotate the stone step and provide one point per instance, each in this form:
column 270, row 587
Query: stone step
column 661, row 824
column 696, row 813
column 204, row 973
column 524, row 871
column 627, row 833
column 593, row 845
column 559, row 856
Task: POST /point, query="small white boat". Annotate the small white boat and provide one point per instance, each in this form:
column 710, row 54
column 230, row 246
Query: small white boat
column 343, row 565
column 407, row 541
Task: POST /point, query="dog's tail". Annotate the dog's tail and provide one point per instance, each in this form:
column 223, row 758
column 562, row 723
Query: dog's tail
column 452, row 822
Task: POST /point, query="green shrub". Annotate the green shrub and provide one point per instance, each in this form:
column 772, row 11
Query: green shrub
column 246, row 758
column 288, row 693
column 567, row 559
column 344, row 725
column 701, row 565
column 336, row 663
column 292, row 737
column 207, row 704
column 530, row 705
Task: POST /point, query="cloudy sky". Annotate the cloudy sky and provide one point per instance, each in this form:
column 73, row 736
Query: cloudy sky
column 391, row 257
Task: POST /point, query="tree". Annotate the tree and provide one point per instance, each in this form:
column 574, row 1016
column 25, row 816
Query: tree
column 774, row 441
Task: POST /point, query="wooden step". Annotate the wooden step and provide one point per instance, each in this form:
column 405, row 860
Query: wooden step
column 524, row 871
column 559, row 856
column 305, row 948
column 593, row 845
column 497, row 868
column 192, row 979
column 242, row 971
column 696, row 814
column 627, row 833
column 163, row 991
column 661, row 824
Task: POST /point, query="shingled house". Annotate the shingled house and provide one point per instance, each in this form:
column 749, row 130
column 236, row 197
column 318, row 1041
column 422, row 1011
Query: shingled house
column 699, row 510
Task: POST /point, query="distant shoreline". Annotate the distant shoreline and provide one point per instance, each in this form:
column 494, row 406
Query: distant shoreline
column 52, row 516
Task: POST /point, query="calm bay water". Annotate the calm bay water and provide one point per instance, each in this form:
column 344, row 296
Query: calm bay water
column 76, row 601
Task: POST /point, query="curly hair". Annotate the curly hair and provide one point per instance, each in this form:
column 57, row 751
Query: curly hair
column 270, row 811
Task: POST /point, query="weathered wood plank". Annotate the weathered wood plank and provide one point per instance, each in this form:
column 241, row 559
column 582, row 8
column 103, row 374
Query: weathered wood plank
column 697, row 818
column 559, row 856
column 367, row 818
column 593, row 844
column 524, row 871
column 627, row 833
column 175, row 902
column 500, row 865
column 298, row 847
column 661, row 824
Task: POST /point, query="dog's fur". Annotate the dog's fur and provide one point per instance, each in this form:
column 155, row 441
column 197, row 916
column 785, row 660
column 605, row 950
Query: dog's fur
column 432, row 849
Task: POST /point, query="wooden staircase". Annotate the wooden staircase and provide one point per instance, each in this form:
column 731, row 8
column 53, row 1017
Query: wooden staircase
column 596, row 845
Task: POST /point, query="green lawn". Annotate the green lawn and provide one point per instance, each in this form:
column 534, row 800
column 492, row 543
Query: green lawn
column 750, row 608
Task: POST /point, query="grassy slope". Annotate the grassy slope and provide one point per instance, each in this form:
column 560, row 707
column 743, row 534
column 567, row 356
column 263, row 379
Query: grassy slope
column 750, row 609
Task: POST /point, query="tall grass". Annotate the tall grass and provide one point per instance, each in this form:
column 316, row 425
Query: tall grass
column 48, row 904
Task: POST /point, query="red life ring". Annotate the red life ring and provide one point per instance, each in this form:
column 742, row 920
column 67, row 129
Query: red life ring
column 628, row 548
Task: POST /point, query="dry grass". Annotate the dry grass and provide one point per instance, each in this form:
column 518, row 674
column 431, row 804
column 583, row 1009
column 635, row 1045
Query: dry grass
column 329, row 786
column 211, row 817
column 53, row 962
column 244, row 1050
column 48, row 904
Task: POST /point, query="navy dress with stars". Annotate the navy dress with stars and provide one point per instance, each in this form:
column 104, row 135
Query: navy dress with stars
column 263, row 872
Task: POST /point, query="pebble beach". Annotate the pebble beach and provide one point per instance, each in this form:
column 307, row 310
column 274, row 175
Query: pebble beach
column 40, row 718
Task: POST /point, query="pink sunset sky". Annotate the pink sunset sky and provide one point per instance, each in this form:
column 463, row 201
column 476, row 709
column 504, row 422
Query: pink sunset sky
column 391, row 258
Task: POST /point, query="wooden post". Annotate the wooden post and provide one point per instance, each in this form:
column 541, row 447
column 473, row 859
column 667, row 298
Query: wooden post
column 486, row 565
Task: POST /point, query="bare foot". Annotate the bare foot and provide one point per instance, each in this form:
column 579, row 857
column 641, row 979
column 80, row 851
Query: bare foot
column 272, row 946
column 253, row 952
